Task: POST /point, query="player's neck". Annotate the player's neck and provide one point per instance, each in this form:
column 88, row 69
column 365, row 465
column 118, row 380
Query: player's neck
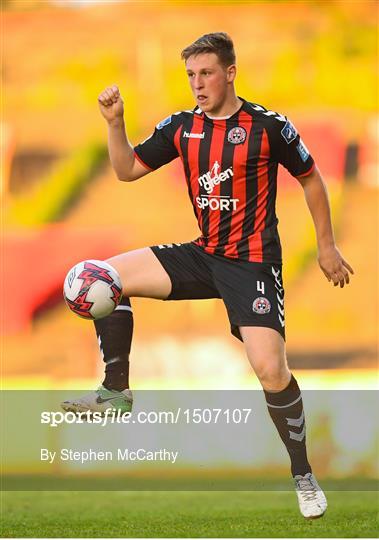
column 227, row 109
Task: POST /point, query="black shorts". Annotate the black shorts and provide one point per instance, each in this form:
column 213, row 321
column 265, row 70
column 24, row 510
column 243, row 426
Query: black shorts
column 252, row 292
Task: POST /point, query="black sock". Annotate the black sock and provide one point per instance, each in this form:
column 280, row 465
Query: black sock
column 287, row 413
column 114, row 334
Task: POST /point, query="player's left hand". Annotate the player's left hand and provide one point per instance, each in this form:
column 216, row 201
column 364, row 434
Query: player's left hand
column 334, row 266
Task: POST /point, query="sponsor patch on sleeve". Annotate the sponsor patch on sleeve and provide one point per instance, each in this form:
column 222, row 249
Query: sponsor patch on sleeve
column 164, row 122
column 289, row 132
column 303, row 151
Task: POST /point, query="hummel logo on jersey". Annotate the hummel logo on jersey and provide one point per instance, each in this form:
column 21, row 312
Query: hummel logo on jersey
column 212, row 178
column 194, row 135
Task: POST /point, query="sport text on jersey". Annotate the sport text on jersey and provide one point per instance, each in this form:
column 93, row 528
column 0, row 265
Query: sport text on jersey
column 217, row 203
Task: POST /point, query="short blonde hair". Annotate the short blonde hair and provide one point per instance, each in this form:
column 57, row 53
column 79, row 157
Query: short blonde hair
column 218, row 42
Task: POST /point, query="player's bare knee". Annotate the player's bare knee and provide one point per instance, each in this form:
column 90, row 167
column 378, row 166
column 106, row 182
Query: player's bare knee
column 273, row 376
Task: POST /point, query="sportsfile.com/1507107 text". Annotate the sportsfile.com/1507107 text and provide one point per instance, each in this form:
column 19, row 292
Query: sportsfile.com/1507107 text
column 113, row 416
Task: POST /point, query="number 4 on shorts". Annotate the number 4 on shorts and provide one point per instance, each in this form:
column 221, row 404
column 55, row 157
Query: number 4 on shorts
column 261, row 286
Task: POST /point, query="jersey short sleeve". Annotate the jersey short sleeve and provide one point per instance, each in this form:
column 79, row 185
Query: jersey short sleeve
column 292, row 152
column 159, row 148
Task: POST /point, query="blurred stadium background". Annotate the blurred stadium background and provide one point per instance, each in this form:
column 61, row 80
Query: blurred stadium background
column 314, row 61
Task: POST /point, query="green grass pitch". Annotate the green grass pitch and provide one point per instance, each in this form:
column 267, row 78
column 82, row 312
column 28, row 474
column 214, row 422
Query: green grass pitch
column 183, row 514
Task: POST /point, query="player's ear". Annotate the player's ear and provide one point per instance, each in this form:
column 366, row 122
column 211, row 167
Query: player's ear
column 231, row 73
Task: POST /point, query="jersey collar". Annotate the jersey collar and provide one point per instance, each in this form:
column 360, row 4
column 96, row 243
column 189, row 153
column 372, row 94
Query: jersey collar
column 199, row 111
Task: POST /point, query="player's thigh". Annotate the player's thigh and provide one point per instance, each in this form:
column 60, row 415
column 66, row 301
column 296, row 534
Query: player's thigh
column 265, row 349
column 142, row 274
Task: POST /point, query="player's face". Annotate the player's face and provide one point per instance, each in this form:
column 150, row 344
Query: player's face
column 210, row 81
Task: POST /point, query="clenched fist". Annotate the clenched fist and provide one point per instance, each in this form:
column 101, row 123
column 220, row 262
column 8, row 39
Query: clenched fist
column 111, row 104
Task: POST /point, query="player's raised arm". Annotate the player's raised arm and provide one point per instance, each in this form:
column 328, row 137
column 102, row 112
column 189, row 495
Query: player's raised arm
column 331, row 262
column 121, row 153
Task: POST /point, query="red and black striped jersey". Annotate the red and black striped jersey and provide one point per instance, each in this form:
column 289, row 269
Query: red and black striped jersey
column 231, row 168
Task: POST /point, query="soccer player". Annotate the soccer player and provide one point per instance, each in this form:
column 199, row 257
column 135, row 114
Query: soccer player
column 230, row 149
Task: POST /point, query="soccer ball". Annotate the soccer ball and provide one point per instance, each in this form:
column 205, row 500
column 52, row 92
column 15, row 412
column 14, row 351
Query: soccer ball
column 92, row 289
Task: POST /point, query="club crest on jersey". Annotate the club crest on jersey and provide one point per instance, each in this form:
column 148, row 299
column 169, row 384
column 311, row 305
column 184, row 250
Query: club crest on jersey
column 164, row 122
column 237, row 135
column 261, row 305
column 289, row 132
